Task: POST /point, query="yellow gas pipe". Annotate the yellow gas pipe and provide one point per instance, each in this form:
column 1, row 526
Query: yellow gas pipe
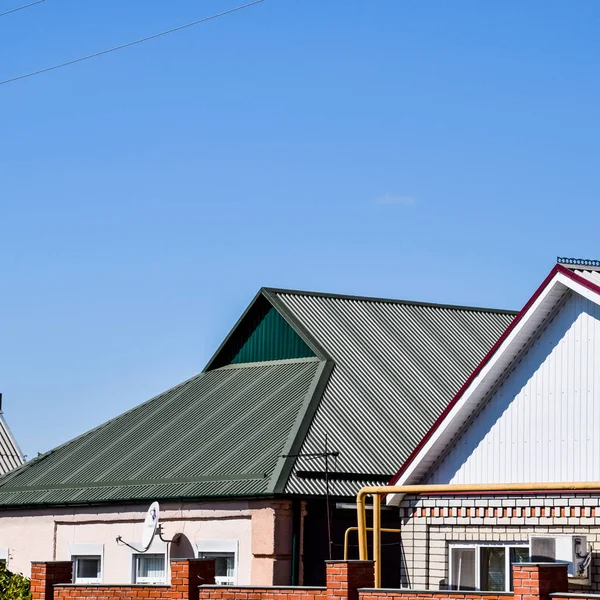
column 378, row 491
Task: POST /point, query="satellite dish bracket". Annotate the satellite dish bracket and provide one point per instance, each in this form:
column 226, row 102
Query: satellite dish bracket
column 121, row 541
column 176, row 540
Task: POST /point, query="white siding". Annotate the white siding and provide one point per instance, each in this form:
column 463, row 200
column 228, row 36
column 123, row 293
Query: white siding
column 543, row 422
column 10, row 455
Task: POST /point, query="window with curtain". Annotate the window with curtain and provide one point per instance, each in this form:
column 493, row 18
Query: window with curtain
column 484, row 567
column 150, row 568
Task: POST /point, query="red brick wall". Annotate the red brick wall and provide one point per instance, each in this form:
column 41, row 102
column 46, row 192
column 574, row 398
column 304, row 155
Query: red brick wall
column 191, row 579
column 537, row 582
column 256, row 593
column 186, row 576
column 45, row 575
column 392, row 595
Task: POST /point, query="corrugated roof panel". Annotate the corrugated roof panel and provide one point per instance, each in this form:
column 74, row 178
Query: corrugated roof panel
column 221, row 432
column 397, row 365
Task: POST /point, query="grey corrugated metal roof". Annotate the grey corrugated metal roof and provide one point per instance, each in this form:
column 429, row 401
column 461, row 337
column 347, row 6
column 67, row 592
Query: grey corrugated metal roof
column 222, row 433
column 11, row 456
column 397, row 365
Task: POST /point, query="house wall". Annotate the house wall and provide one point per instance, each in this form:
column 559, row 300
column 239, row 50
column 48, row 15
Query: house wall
column 263, row 530
column 541, row 423
column 430, row 525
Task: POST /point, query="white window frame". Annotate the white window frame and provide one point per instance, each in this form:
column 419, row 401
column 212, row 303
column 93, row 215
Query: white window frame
column 156, row 547
column 149, row 580
column 477, row 546
column 77, row 551
column 221, row 548
column 4, row 553
column 86, row 580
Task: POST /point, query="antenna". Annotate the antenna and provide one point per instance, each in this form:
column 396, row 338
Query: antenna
column 326, row 454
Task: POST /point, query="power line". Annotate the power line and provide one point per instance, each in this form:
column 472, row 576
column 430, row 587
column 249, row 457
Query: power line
column 140, row 41
column 12, row 10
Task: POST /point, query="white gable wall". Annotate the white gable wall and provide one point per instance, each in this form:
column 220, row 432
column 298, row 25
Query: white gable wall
column 543, row 422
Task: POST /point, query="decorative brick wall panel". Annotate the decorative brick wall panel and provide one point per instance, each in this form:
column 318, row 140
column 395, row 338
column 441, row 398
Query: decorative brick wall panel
column 431, row 524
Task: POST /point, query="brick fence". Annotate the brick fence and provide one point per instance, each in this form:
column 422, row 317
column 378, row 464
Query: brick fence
column 193, row 579
column 52, row 581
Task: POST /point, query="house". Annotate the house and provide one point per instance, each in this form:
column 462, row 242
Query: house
column 11, row 456
column 529, row 413
column 253, row 458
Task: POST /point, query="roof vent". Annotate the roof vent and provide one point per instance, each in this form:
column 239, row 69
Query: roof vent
column 583, row 263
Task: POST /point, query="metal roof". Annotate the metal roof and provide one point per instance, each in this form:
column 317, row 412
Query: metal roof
column 11, row 456
column 397, row 365
column 221, row 433
column 383, row 371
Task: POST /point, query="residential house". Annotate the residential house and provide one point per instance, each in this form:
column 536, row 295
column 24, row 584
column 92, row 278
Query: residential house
column 529, row 413
column 306, row 395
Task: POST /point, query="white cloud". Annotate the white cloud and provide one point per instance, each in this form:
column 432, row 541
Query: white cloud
column 394, row 200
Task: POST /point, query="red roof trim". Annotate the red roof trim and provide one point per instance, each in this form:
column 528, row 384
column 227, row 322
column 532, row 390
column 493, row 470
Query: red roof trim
column 557, row 269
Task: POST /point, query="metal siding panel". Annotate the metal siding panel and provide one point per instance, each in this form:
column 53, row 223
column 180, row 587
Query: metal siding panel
column 10, row 455
column 272, row 339
column 397, row 365
column 546, row 408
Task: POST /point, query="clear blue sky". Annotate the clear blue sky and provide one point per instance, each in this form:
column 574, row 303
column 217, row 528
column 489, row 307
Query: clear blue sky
column 426, row 150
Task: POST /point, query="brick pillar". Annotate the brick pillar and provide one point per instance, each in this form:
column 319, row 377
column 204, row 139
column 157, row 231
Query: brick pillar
column 189, row 573
column 45, row 575
column 537, row 581
column 345, row 577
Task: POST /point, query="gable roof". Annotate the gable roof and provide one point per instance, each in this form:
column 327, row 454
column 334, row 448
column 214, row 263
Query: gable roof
column 397, row 364
column 508, row 349
column 221, row 433
column 352, row 368
column 11, row 456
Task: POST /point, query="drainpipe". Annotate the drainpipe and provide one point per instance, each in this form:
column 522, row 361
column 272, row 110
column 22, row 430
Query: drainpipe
column 378, row 491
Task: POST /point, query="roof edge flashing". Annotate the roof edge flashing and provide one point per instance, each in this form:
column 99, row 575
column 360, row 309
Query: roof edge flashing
column 291, row 292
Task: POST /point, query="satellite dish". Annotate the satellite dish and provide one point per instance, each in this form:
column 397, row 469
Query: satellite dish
column 150, row 525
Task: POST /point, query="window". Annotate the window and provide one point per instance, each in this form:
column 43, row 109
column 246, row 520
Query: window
column 87, row 562
column 484, row 567
column 87, row 569
column 149, row 568
column 225, row 555
column 224, row 566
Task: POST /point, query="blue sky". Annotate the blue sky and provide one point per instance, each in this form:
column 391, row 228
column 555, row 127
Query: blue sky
column 435, row 151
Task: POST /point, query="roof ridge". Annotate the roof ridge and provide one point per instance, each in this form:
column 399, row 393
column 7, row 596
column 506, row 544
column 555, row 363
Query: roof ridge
column 388, row 300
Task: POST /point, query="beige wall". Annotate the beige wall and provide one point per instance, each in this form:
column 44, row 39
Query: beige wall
column 46, row 534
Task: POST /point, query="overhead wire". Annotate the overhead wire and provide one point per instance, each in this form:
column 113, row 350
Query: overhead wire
column 12, row 10
column 129, row 44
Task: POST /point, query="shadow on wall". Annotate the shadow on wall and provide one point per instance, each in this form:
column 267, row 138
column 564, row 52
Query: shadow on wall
column 182, row 548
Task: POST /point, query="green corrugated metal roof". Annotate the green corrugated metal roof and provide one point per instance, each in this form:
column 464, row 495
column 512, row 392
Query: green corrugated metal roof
column 220, row 433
